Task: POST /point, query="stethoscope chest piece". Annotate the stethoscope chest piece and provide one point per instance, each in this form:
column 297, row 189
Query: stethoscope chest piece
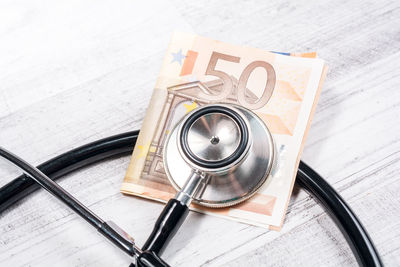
column 229, row 145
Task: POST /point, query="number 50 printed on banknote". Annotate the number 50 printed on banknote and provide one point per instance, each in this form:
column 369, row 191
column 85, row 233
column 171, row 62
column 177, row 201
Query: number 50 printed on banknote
column 282, row 90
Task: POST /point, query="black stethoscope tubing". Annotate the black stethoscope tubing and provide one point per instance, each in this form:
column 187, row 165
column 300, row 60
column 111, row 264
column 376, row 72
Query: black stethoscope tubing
column 121, row 144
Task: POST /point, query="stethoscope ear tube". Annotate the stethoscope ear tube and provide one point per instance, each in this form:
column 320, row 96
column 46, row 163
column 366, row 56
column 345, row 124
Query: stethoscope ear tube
column 117, row 145
column 355, row 234
column 123, row 144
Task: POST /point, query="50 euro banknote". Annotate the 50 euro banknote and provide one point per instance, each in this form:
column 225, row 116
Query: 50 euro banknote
column 282, row 90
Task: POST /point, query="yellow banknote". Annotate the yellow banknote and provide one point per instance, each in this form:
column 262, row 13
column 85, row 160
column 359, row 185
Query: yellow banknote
column 282, row 90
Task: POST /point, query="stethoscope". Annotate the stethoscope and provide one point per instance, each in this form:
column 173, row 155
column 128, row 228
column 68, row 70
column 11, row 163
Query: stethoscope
column 218, row 155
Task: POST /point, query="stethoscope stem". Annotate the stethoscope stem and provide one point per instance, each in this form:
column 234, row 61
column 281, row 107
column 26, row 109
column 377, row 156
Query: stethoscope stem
column 167, row 224
column 174, row 213
column 191, row 188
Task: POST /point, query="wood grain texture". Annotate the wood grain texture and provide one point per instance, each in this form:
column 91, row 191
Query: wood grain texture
column 74, row 71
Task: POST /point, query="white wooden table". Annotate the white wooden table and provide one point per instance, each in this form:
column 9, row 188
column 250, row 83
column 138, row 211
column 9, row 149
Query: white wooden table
column 75, row 71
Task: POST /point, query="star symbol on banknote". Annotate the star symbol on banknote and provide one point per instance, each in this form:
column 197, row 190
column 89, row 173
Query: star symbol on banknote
column 178, row 57
column 143, row 149
column 190, row 107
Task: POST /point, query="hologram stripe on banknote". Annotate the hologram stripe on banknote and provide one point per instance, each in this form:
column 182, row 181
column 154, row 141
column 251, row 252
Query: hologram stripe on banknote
column 281, row 89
